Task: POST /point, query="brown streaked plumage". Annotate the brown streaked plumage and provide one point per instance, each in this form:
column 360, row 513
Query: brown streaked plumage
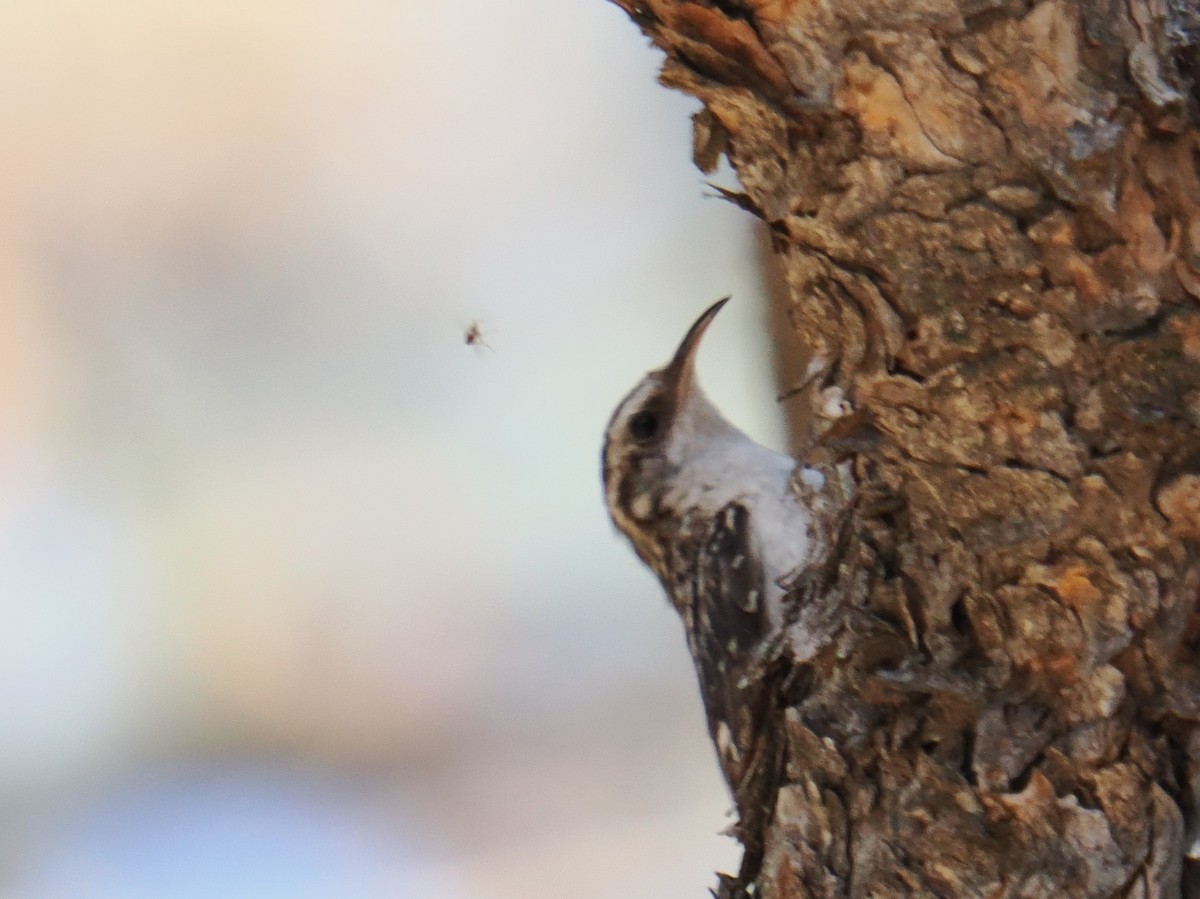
column 713, row 515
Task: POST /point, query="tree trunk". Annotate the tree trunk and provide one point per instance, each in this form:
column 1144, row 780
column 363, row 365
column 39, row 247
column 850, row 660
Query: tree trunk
column 987, row 214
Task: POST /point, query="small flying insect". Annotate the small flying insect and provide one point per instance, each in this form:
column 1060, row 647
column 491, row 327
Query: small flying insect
column 473, row 336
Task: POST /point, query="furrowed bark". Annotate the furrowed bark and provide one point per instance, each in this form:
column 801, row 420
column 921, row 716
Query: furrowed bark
column 987, row 215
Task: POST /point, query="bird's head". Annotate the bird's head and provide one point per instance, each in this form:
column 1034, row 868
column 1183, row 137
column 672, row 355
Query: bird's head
column 649, row 440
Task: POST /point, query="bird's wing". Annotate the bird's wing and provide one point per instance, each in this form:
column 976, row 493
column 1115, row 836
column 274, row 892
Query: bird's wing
column 721, row 598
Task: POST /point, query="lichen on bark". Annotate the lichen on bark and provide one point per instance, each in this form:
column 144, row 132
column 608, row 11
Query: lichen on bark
column 987, row 217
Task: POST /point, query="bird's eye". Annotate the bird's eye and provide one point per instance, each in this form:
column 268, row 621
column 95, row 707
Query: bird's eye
column 643, row 426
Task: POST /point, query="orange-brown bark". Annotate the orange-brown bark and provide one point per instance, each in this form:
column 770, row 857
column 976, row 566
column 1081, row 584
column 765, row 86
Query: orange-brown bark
column 987, row 215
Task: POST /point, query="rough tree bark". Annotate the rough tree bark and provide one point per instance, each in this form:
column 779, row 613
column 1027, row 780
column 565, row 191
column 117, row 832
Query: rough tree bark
column 988, row 216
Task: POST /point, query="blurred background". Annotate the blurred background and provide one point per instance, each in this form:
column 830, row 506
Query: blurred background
column 301, row 595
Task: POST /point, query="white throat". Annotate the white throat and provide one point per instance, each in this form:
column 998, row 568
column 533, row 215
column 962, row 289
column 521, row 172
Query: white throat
column 717, row 464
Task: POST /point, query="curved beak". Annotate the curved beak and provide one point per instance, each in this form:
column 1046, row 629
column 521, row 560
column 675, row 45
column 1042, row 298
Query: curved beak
column 679, row 371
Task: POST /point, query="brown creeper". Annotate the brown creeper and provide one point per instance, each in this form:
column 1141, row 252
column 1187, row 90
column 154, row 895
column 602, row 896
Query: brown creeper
column 715, row 516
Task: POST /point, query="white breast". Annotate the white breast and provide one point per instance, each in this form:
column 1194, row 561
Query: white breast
column 718, row 464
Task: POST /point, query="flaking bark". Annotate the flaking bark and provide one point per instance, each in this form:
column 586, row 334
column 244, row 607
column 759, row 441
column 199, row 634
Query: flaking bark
column 987, row 215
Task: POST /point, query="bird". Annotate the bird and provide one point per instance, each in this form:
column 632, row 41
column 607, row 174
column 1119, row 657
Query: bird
column 715, row 516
